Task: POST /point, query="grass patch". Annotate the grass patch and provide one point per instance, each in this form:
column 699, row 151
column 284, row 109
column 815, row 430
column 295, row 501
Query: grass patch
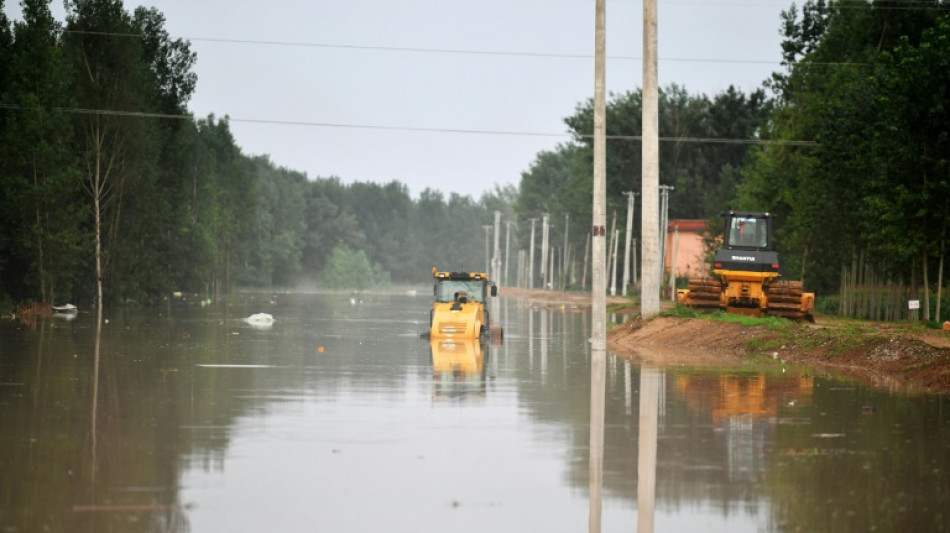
column 771, row 323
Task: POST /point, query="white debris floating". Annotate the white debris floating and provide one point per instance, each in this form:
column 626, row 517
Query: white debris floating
column 260, row 319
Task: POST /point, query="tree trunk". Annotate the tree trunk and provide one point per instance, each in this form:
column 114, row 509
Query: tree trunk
column 97, row 213
column 804, row 261
column 940, row 280
column 926, row 292
column 39, row 236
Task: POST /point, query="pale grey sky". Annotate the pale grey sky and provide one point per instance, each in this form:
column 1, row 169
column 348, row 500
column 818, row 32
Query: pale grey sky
column 386, row 90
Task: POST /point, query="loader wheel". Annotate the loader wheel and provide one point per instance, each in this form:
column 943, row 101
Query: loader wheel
column 704, row 293
column 785, row 299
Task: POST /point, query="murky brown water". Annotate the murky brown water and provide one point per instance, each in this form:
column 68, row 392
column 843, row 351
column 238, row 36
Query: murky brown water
column 339, row 418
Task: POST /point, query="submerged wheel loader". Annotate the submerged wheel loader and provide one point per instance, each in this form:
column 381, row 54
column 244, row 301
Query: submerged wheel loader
column 460, row 310
column 746, row 275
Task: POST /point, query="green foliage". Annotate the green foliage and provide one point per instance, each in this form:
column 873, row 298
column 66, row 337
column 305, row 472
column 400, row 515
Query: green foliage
column 351, row 269
column 179, row 206
column 869, row 87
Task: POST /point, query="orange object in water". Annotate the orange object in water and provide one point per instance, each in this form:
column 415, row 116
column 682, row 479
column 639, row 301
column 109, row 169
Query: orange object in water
column 320, row 349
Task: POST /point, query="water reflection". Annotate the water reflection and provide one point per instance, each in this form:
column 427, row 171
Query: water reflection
column 598, row 380
column 195, row 421
column 650, row 379
column 458, row 369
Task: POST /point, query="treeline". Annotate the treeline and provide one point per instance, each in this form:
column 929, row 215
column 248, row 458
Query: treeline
column 105, row 176
column 704, row 144
column 869, row 84
column 850, row 147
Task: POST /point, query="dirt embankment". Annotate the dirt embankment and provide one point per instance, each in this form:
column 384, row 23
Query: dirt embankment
column 895, row 356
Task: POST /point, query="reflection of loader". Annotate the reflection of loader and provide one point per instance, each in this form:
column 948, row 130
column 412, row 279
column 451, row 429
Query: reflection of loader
column 458, row 368
column 461, row 305
column 746, row 269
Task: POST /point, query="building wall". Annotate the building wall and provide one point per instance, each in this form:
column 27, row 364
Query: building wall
column 690, row 249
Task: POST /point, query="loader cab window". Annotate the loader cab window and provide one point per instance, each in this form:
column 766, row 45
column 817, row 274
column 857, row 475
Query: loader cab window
column 748, row 232
column 471, row 291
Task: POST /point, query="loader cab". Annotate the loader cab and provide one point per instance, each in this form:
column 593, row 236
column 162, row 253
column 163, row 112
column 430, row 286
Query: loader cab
column 463, row 288
column 748, row 231
column 460, row 309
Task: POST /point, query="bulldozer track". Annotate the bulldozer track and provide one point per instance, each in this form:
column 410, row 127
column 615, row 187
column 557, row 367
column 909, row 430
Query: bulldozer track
column 704, row 293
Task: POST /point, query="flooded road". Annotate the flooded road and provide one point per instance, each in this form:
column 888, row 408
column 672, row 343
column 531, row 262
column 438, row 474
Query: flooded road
column 338, row 417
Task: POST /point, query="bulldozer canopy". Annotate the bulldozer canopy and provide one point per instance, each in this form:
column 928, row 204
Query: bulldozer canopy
column 748, row 232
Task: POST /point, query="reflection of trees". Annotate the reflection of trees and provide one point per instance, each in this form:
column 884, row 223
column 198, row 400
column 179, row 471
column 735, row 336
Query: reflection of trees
column 877, row 462
column 80, row 456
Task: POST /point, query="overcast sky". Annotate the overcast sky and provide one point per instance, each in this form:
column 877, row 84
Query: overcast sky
column 455, row 95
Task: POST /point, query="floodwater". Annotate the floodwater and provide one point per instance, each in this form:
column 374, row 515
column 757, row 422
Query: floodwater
column 338, row 417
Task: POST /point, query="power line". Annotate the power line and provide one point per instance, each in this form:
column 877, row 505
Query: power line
column 457, row 51
column 415, row 129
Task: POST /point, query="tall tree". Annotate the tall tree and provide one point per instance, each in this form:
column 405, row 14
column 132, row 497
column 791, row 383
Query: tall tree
column 42, row 209
column 108, row 85
column 865, row 82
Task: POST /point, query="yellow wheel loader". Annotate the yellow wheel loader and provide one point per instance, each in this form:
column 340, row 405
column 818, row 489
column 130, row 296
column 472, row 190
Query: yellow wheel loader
column 460, row 310
column 746, row 275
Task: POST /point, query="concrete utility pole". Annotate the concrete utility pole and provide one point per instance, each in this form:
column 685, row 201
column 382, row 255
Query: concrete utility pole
column 676, row 251
column 650, row 292
column 544, row 251
column 496, row 257
column 611, row 258
column 598, row 345
column 586, row 258
column 664, row 225
column 521, row 273
column 633, row 262
column 487, row 228
column 507, row 250
column 613, row 270
column 531, row 258
column 567, row 221
column 626, row 253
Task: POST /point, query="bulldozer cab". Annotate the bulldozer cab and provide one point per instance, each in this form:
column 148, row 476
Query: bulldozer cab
column 748, row 231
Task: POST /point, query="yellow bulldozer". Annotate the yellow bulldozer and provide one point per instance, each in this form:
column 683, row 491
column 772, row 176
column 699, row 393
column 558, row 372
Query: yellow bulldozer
column 460, row 310
column 746, row 275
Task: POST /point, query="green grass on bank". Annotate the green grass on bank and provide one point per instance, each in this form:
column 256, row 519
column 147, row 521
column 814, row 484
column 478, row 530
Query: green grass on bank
column 770, row 323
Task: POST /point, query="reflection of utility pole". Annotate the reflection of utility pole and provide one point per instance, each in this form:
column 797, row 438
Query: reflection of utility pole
column 531, row 257
column 544, row 250
column 626, row 254
column 651, row 382
column 487, row 228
